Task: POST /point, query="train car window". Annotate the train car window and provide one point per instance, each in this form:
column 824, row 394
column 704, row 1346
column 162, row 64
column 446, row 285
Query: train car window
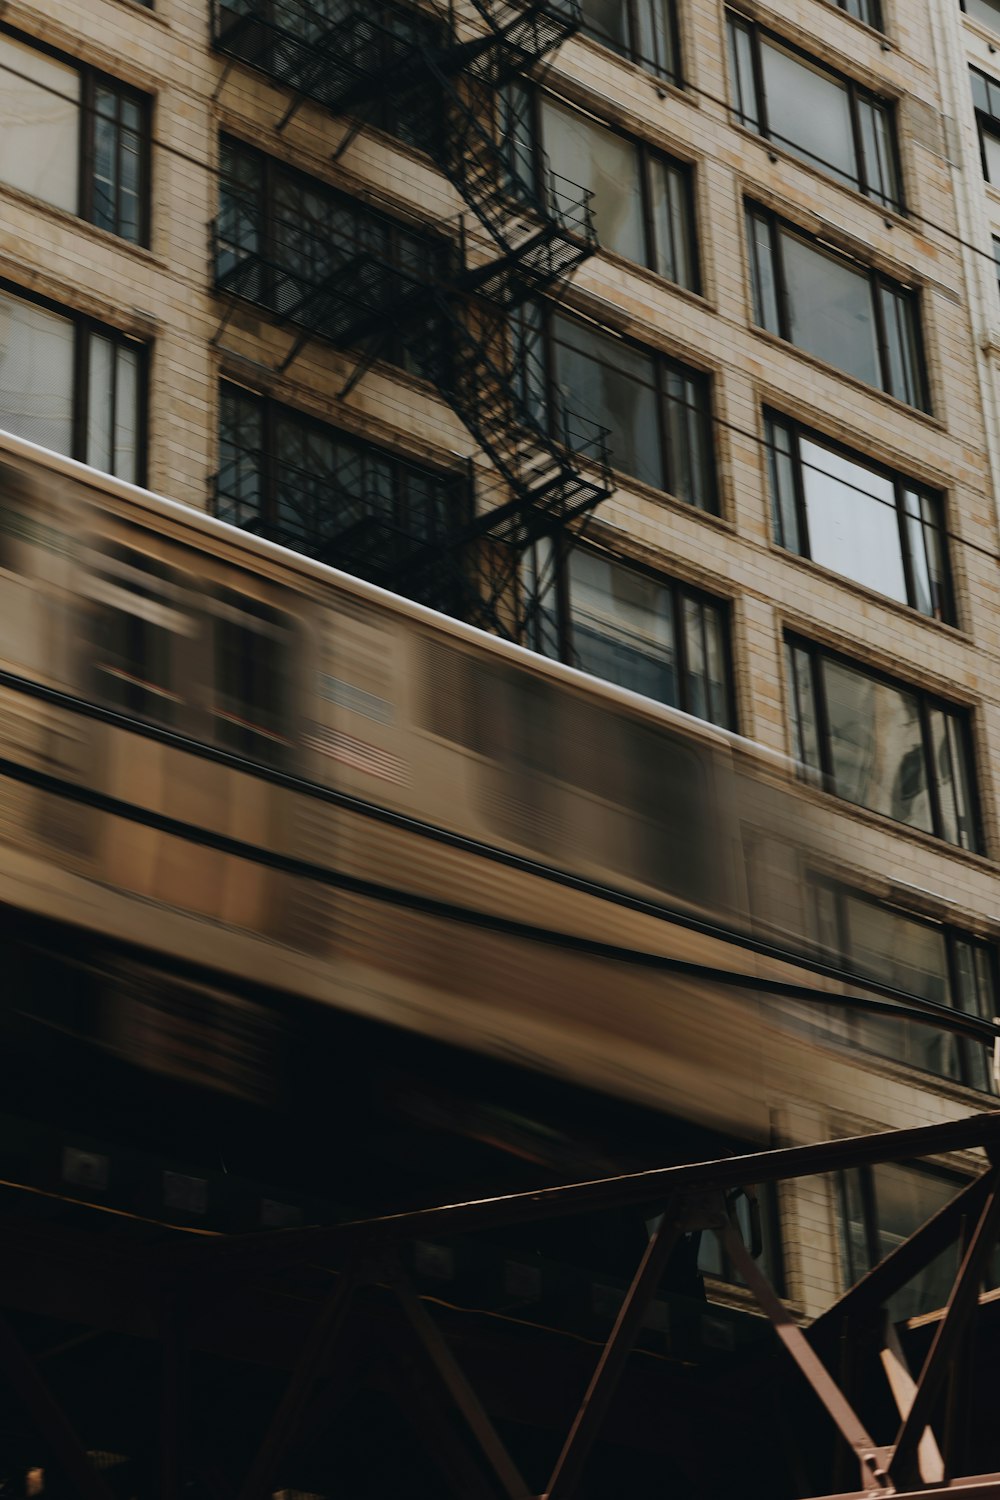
column 253, row 660
column 136, row 623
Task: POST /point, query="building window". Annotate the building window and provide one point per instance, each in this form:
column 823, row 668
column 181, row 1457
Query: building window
column 940, row 964
column 641, row 201
column 74, row 138
column 996, row 259
column 323, row 48
column 638, row 630
column 72, row 385
column 868, row 11
column 645, row 31
column 657, row 411
column 838, row 309
column 986, row 11
column 881, row 1205
column 986, row 99
column 321, row 259
column 858, row 519
column 825, row 119
column 299, row 482
column 883, row 744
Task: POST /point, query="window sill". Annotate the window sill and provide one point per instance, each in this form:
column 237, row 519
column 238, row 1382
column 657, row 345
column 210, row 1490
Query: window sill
column 893, row 218
column 910, row 1074
column 74, row 221
column 868, row 594
column 831, row 801
column 653, row 278
column 893, row 402
column 662, row 87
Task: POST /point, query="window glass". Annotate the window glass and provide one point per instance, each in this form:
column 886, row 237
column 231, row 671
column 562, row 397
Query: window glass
column 116, row 174
column 39, row 124
column 828, row 121
column 609, row 381
column 851, row 514
column 607, row 165
column 252, row 674
column 876, row 746
column 622, row 627
column 36, row 374
column 991, row 154
column 135, row 629
column 859, row 521
column 830, row 309
column 673, row 228
column 883, row 745
column 880, row 1207
column 643, row 30
column 862, row 10
column 808, row 111
column 127, row 413
column 985, row 11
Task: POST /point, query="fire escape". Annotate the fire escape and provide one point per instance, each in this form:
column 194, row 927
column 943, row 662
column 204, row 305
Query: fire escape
column 522, row 237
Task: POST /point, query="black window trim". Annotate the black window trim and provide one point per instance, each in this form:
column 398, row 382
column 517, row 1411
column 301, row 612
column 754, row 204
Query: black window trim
column 986, row 122
column 855, row 91
column 899, row 481
column 273, row 169
column 83, row 327
column 90, row 78
column 866, row 1189
column 926, row 699
column 632, row 55
column 272, row 409
column 879, row 281
column 647, row 154
column 680, row 592
column 877, row 25
column 661, row 361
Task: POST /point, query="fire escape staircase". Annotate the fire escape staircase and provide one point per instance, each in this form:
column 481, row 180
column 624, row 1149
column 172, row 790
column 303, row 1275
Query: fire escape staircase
column 550, row 468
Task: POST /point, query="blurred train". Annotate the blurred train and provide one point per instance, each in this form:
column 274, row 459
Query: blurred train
column 229, row 773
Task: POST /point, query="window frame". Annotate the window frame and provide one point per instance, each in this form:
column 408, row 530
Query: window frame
column 662, row 364
column 680, row 593
column 878, row 24
column 987, row 123
column 985, row 24
column 864, row 1178
column 857, row 94
column 632, row 53
column 926, row 700
column 84, row 328
column 839, row 893
column 878, row 282
column 900, row 483
column 271, row 413
column 272, row 171
column 91, row 79
column 647, row 158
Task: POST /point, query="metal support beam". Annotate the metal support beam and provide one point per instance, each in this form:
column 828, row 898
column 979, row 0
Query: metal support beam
column 821, row 1381
column 461, row 1392
column 903, row 1263
column 316, row 1350
column 964, row 1298
column 51, row 1423
column 604, row 1382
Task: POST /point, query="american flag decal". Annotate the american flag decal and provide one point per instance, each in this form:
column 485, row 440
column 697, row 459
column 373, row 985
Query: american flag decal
column 358, row 754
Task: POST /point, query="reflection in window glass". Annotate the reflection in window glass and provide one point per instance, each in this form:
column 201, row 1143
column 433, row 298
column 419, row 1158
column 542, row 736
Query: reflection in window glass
column 827, row 120
column 882, row 745
column 860, row 521
column 647, row 634
column 643, row 30
column 916, row 957
column 830, row 310
column 607, row 165
column 985, row 11
column 846, row 314
column 986, row 99
column 881, row 1206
